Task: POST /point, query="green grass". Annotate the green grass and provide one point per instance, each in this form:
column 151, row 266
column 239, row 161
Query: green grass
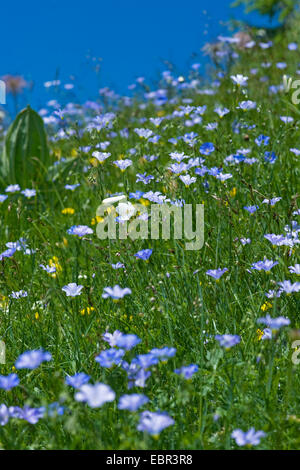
column 185, row 310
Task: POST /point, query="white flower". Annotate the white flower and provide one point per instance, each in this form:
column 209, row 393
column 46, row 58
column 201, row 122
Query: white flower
column 125, row 210
column 239, row 79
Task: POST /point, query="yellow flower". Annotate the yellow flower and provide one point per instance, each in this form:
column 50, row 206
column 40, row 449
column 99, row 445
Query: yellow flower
column 68, row 210
column 266, row 306
column 57, row 153
column 36, row 315
column 53, row 262
column 144, row 202
column 3, row 301
column 97, row 220
column 65, row 241
column 232, row 192
column 88, row 310
column 94, row 162
column 73, row 153
column 259, row 334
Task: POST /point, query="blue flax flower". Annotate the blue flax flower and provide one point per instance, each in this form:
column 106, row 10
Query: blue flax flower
column 7, row 382
column 80, row 230
column 154, row 422
column 132, row 402
column 95, row 395
column 4, row 415
column 248, row 438
column 115, row 292
column 274, row 323
column 127, row 341
column 216, row 273
column 109, row 357
column 32, row 359
column 144, row 254
column 228, row 341
column 251, row 209
column 265, row 265
column 207, row 148
column 72, row 289
column 163, row 353
column 77, row 380
column 187, row 371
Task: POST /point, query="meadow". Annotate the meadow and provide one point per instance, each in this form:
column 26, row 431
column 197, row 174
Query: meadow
column 122, row 344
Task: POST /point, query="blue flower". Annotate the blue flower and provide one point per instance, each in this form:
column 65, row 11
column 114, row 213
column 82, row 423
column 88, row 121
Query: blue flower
column 187, row 179
column 136, row 374
column 72, row 289
column 118, row 266
column 251, row 437
column 270, row 157
column 77, row 380
column 55, row 408
column 101, row 156
column 274, row 239
column 147, row 360
column 207, row 148
column 154, row 422
column 79, row 230
column 132, row 402
column 29, row 193
column 48, row 269
column 265, row 265
column 3, row 197
column 71, row 187
column 295, row 269
column 31, row 415
column 32, row 359
column 111, row 338
column 228, row 341
column 272, row 201
column 144, row 178
column 137, row 195
column 286, row 119
column 115, row 292
column 109, row 357
column 262, row 140
column 216, row 273
column 146, row 133
column 144, row 254
column 4, row 415
column 127, row 341
column 19, row 294
column 163, row 353
column 95, row 395
column 187, row 371
column 251, row 209
column 7, row 382
column 7, row 253
column 123, row 164
column 12, row 188
column 274, row 323
column 247, row 105
column 221, row 111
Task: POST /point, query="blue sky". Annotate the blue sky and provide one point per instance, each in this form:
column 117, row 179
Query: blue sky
column 46, row 39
